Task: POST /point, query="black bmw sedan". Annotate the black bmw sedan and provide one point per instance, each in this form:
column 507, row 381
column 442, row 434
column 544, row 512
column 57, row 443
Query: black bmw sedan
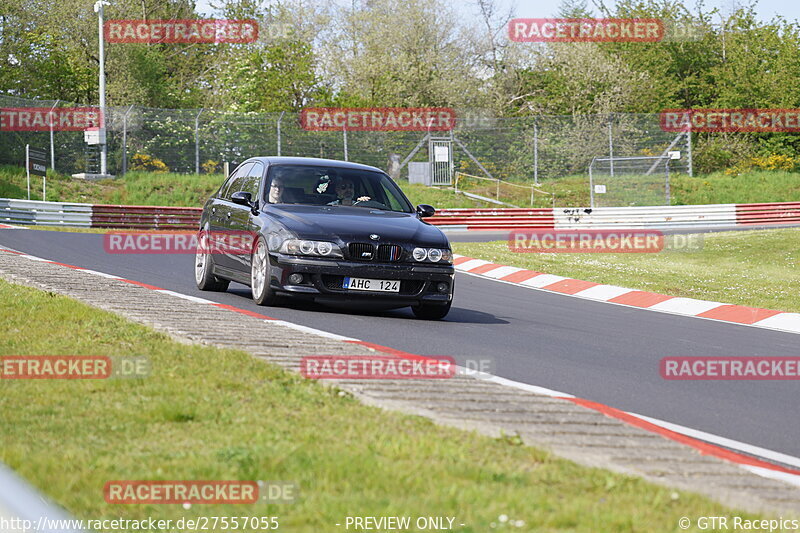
column 330, row 231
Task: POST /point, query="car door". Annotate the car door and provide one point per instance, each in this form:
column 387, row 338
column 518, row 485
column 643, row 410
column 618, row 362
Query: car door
column 240, row 222
column 222, row 213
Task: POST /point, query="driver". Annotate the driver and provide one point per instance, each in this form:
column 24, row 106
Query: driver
column 344, row 193
column 276, row 190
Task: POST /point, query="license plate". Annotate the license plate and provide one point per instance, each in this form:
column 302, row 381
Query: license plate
column 380, row 285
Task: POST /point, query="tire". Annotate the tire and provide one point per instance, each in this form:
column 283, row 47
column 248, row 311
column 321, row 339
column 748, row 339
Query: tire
column 206, row 281
column 431, row 312
column 260, row 287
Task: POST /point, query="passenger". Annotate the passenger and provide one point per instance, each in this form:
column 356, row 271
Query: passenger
column 344, row 193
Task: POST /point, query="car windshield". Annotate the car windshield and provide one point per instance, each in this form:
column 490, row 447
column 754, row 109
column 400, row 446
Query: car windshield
column 334, row 186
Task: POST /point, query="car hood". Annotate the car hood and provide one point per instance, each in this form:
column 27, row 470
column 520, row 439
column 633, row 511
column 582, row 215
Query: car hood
column 357, row 224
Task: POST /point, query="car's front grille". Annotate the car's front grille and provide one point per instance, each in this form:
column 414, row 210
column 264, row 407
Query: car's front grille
column 364, row 251
column 361, row 251
column 389, row 253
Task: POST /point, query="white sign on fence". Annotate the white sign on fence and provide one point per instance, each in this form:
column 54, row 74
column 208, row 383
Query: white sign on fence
column 441, row 154
column 599, row 189
column 94, row 136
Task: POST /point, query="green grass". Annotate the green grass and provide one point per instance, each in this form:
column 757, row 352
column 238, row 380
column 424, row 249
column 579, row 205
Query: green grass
column 208, row 413
column 755, row 268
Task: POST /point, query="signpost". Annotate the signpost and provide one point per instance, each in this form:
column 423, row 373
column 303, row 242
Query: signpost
column 36, row 164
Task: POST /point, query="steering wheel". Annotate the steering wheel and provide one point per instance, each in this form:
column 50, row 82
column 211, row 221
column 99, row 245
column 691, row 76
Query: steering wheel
column 370, row 203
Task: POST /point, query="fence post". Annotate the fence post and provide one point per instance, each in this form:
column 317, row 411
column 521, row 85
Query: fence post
column 279, row 132
column 344, row 132
column 689, row 151
column 197, row 142
column 28, row 168
column 52, row 145
column 125, row 140
column 535, row 155
column 610, row 144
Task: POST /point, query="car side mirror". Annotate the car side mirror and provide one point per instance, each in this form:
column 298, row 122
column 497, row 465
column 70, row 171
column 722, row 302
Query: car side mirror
column 425, row 210
column 242, row 198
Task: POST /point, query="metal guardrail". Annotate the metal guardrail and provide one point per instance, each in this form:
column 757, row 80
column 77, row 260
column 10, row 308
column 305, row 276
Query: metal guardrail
column 30, row 212
column 33, row 212
column 145, row 217
column 661, row 217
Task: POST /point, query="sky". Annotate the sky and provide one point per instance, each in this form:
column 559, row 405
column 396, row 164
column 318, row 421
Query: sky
column 766, row 9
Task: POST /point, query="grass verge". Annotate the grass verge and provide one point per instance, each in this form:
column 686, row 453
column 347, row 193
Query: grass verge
column 207, row 413
column 755, row 268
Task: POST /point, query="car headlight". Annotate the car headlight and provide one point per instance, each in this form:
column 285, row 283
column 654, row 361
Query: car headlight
column 305, row 247
column 433, row 255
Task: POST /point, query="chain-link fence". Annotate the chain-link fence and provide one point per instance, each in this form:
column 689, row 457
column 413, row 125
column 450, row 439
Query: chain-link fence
column 201, row 140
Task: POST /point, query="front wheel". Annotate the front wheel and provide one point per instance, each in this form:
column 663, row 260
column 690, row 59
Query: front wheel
column 431, row 312
column 263, row 293
column 205, row 280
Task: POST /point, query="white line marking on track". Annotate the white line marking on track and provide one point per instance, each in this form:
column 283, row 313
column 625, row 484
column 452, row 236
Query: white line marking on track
column 773, row 474
column 185, row 296
column 314, row 331
column 723, row 441
column 524, row 386
column 101, row 274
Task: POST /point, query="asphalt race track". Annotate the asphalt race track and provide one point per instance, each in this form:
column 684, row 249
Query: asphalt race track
column 597, row 351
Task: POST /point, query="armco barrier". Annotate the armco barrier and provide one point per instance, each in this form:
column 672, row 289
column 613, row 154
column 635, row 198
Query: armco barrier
column 764, row 214
column 655, row 217
column 37, row 213
column 494, row 219
column 145, row 217
column 661, row 217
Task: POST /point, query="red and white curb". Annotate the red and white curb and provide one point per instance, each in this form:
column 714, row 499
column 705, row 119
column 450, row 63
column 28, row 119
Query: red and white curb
column 752, row 458
column 10, row 226
column 736, row 314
